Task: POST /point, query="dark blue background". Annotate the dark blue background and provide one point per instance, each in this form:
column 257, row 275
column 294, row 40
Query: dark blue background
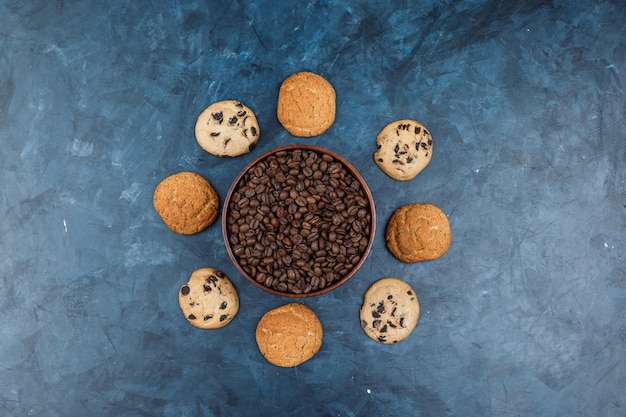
column 525, row 314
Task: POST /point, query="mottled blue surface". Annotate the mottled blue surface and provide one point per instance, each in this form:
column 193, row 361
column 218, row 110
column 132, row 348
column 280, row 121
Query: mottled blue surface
column 524, row 316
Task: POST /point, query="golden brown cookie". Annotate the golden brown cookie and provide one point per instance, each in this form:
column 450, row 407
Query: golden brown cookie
column 186, row 202
column 227, row 128
column 405, row 147
column 208, row 300
column 418, row 232
column 289, row 335
column 390, row 310
column 306, row 104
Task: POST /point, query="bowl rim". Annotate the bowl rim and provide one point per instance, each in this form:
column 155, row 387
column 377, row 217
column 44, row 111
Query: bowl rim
column 350, row 168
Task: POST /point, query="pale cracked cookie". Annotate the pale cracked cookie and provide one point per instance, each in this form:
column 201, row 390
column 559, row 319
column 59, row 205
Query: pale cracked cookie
column 289, row 335
column 405, row 147
column 186, row 202
column 227, row 128
column 306, row 104
column 208, row 300
column 390, row 311
column 418, row 232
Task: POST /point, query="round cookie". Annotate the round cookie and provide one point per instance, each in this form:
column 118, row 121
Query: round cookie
column 227, row 128
column 390, row 311
column 405, row 147
column 418, row 232
column 306, row 104
column 186, row 202
column 289, row 335
column 208, row 300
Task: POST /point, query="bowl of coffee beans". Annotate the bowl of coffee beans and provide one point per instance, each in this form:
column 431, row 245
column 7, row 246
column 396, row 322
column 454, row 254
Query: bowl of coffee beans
column 298, row 221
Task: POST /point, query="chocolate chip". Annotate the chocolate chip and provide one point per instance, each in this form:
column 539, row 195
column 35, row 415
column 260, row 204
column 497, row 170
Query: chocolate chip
column 191, row 317
column 232, row 120
column 384, row 329
column 207, row 288
column 241, row 113
column 219, row 117
column 376, row 324
column 215, row 134
column 223, row 305
column 223, row 317
column 375, row 314
column 219, row 273
column 208, row 317
column 185, row 290
column 417, row 130
column 253, row 131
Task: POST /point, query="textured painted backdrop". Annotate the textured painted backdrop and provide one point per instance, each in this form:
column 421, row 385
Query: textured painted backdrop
column 524, row 316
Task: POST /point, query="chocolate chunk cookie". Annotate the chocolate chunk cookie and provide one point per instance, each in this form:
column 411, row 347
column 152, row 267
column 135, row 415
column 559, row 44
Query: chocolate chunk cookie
column 390, row 311
column 227, row 128
column 405, row 147
column 418, row 232
column 186, row 202
column 289, row 335
column 209, row 300
column 306, row 104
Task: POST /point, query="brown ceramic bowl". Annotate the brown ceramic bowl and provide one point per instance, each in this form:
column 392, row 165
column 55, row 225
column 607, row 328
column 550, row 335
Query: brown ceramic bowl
column 298, row 221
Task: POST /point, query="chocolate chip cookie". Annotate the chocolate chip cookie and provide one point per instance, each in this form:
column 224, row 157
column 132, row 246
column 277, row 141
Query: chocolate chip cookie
column 390, row 311
column 227, row 128
column 289, row 335
column 418, row 232
column 186, row 202
column 209, row 300
column 306, row 104
column 405, row 147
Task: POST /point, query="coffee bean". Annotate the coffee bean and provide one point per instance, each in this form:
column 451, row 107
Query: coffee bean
column 298, row 221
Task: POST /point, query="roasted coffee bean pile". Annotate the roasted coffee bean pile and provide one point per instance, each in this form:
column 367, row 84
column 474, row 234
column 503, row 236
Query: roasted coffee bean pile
column 298, row 221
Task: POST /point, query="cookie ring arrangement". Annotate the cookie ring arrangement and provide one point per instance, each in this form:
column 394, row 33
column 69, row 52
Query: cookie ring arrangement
column 299, row 221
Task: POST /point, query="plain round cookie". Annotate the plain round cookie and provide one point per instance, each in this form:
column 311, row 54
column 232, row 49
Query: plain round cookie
column 390, row 311
column 208, row 300
column 306, row 104
column 418, row 232
column 227, row 128
column 186, row 202
column 405, row 147
column 289, row 335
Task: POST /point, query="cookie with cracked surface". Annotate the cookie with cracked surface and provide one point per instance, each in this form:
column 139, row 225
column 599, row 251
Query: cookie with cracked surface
column 227, row 128
column 306, row 104
column 418, row 232
column 186, row 202
column 390, row 311
column 405, row 147
column 289, row 335
column 208, row 300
